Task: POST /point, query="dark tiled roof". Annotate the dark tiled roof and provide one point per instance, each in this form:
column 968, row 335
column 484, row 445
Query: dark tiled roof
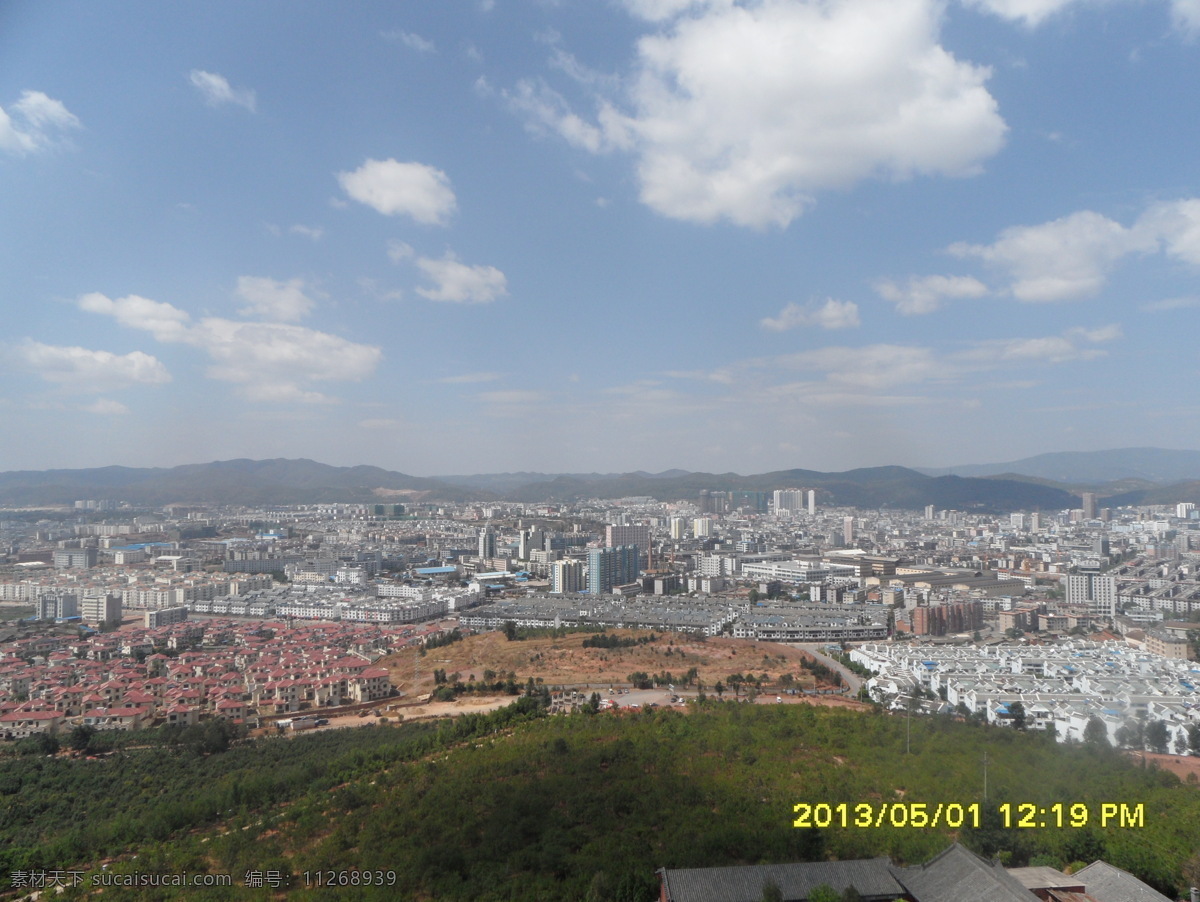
column 871, row 877
column 1109, row 884
column 958, row 874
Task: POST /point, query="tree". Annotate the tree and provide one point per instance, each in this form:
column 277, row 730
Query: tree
column 81, row 737
column 1157, row 737
column 1194, row 739
column 771, row 892
column 1016, row 714
column 1095, row 733
column 510, row 630
column 823, row 892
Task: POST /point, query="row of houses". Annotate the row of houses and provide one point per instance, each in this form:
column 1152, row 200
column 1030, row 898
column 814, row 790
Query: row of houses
column 228, row 669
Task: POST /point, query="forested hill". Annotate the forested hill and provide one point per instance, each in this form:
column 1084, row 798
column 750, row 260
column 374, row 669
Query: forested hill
column 520, row 806
column 282, row 481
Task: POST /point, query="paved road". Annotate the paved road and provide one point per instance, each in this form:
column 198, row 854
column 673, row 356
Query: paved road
column 853, row 680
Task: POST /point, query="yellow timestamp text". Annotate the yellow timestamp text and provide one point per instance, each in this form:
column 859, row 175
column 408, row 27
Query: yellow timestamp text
column 889, row 814
column 1027, row 815
column 1024, row 815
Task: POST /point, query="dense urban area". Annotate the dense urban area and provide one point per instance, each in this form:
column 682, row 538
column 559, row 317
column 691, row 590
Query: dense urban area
column 120, row 618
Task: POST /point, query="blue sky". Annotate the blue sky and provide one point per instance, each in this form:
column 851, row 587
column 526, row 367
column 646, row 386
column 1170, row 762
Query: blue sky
column 598, row 236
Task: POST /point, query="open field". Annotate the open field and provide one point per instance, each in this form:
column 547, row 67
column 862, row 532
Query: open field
column 564, row 660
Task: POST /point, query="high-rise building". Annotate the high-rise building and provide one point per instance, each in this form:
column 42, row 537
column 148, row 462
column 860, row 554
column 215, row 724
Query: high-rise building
column 929, row 511
column 627, row 535
column 702, row 528
column 1035, row 522
column 1097, row 591
column 566, row 577
column 1090, row 507
column 678, row 528
column 487, row 543
column 788, row 500
column 848, row 530
column 610, row 567
column 1017, row 521
column 812, row 502
column 532, row 539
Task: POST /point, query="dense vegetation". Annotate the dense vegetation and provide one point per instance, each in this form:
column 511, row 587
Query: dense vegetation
column 516, row 805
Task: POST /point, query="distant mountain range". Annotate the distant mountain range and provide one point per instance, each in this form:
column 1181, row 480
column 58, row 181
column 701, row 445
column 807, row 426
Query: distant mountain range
column 1154, row 465
column 1046, row 482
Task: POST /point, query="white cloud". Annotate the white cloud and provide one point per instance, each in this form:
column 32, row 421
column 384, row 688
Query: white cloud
column 1185, row 14
column 37, row 123
column 216, row 90
column 106, row 408
column 86, row 370
column 461, row 283
column 511, row 397
column 410, row 40
column 926, row 293
column 469, row 378
column 1029, row 12
column 745, row 111
column 164, row 321
column 1060, row 260
column 280, row 301
column 267, row 361
column 313, row 232
column 1055, row 349
column 833, row 314
column 869, row 367
column 1177, row 225
column 1180, row 303
column 398, row 250
column 547, row 112
column 660, row 10
column 393, row 188
column 381, row 423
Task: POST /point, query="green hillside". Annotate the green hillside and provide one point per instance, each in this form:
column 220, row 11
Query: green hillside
column 517, row 805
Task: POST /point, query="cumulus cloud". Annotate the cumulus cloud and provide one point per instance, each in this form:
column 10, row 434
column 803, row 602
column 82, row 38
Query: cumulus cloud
column 744, row 112
column 1029, row 12
column 410, row 189
column 927, row 293
column 106, row 407
column 216, row 90
column 1177, row 225
column 461, row 283
column 1060, row 260
column 37, row 122
column 410, row 40
column 1185, row 14
column 833, row 314
column 281, row 301
column 268, row 361
column 164, row 321
column 83, row 369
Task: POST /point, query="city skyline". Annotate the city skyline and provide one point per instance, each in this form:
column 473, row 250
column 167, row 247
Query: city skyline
column 559, row 237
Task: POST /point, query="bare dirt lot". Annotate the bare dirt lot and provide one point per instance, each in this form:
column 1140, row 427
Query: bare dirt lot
column 565, row 662
column 1180, row 765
